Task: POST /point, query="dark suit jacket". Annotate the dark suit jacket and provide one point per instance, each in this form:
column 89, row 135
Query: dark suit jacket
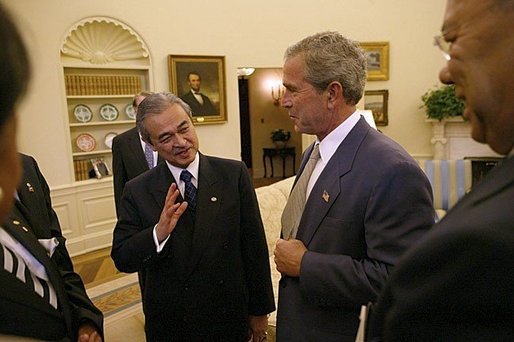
column 213, row 271
column 128, row 161
column 36, row 214
column 458, row 284
column 22, row 311
column 378, row 203
column 198, row 109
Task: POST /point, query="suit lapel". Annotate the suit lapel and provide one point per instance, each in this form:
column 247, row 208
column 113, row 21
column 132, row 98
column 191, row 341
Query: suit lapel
column 210, row 191
column 327, row 188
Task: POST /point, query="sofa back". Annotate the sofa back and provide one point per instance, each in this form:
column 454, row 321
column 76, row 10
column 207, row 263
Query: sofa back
column 272, row 200
column 450, row 180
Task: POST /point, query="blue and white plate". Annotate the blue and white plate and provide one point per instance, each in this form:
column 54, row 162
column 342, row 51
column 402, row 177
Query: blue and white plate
column 130, row 111
column 109, row 112
column 82, row 113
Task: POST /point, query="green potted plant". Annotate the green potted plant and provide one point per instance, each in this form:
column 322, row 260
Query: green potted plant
column 280, row 137
column 441, row 103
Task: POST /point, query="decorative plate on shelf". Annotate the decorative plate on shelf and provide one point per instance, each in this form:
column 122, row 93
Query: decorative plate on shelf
column 130, row 111
column 82, row 113
column 85, row 142
column 108, row 112
column 108, row 139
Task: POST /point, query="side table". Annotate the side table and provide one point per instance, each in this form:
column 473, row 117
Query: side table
column 284, row 152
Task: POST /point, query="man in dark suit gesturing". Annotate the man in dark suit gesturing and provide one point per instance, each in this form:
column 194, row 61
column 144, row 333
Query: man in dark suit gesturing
column 458, row 284
column 200, row 104
column 193, row 227
column 365, row 201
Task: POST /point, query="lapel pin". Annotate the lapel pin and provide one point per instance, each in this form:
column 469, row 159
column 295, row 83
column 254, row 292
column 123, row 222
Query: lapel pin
column 325, row 196
column 16, row 222
column 24, row 228
column 213, row 199
column 29, row 186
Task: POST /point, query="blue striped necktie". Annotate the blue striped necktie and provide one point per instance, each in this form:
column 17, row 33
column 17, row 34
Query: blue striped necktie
column 189, row 190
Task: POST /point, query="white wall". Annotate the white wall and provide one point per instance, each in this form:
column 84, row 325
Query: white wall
column 248, row 33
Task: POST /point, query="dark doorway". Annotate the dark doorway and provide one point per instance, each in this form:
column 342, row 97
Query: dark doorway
column 244, row 123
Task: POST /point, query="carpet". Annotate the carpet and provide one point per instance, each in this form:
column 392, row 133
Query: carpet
column 116, row 295
column 120, row 302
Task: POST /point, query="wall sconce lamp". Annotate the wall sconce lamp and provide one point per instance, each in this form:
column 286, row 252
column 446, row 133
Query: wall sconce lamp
column 245, row 72
column 277, row 91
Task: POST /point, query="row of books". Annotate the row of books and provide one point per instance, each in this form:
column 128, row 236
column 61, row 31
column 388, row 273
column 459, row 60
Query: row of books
column 82, row 169
column 80, row 85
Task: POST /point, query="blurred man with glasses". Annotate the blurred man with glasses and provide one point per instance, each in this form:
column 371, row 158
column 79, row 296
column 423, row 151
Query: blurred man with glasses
column 458, row 284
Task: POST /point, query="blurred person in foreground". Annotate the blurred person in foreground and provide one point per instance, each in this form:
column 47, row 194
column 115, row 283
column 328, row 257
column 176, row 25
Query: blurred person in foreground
column 458, row 284
column 191, row 226
column 364, row 203
column 41, row 297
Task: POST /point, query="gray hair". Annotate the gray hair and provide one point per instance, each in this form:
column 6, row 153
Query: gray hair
column 328, row 57
column 155, row 104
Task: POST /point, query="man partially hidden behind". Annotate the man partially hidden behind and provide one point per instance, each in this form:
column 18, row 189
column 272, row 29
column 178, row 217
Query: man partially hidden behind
column 199, row 103
column 192, row 226
column 130, row 155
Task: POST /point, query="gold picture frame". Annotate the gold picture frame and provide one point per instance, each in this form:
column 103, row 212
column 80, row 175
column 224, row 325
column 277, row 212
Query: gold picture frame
column 210, row 71
column 378, row 60
column 376, row 101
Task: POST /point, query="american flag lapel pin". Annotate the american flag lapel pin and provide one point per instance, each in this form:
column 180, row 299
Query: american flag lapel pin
column 30, row 188
column 325, row 196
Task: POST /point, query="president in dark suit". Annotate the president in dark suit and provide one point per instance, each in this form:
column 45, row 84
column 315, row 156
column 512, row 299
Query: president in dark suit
column 364, row 199
column 458, row 283
column 128, row 155
column 200, row 104
column 192, row 226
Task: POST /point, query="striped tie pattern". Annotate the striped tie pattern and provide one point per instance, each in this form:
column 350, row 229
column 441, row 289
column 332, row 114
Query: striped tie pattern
column 296, row 202
column 15, row 264
column 189, row 190
column 149, row 155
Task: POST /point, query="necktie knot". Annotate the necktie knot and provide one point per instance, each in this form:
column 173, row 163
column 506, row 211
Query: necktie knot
column 315, row 153
column 186, row 176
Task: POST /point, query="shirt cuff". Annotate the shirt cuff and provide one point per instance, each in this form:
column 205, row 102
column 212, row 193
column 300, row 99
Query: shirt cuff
column 159, row 246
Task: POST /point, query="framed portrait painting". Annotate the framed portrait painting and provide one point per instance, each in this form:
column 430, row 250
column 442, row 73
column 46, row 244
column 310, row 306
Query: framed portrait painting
column 200, row 82
column 376, row 101
column 377, row 54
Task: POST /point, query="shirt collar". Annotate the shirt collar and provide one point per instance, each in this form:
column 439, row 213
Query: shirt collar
column 192, row 168
column 329, row 145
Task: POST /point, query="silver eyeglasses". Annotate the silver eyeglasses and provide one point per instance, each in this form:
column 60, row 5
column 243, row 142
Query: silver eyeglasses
column 443, row 45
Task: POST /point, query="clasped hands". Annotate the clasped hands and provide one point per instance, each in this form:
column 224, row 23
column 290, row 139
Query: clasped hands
column 288, row 256
column 170, row 213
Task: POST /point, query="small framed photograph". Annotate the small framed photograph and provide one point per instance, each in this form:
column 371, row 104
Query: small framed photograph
column 100, row 168
column 378, row 60
column 376, row 101
column 200, row 82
